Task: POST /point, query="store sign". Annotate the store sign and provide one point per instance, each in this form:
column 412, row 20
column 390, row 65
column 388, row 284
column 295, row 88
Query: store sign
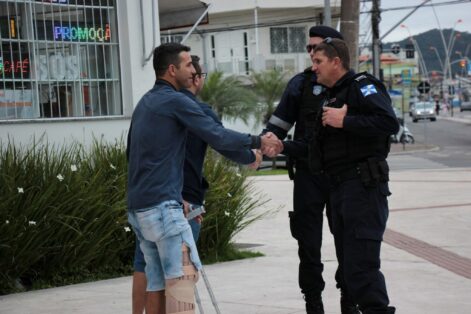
column 57, row 67
column 406, row 76
column 77, row 33
column 13, row 67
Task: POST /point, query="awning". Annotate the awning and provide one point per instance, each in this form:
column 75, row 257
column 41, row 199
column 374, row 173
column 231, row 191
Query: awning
column 180, row 13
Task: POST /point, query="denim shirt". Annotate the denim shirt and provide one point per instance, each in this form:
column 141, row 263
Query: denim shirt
column 160, row 123
column 194, row 184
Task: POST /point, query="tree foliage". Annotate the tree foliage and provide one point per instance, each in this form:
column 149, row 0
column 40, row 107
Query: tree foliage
column 268, row 86
column 228, row 96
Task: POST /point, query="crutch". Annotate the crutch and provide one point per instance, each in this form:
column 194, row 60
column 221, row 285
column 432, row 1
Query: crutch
column 210, row 291
column 198, row 301
column 193, row 212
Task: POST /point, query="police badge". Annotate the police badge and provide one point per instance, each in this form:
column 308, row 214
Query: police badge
column 317, row 90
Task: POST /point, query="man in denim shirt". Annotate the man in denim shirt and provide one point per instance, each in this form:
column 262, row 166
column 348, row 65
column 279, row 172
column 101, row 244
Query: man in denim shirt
column 160, row 123
column 194, row 184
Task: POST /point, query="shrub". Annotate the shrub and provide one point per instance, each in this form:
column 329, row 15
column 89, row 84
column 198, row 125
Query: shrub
column 61, row 209
column 63, row 213
column 230, row 207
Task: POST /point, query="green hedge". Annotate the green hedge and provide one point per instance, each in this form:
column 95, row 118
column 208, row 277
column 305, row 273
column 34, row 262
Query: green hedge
column 63, row 213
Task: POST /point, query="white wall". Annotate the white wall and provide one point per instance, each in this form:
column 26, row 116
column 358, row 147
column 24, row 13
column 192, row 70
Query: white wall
column 60, row 132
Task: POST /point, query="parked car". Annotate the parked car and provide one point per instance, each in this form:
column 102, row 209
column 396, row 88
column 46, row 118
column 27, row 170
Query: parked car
column 465, row 105
column 424, row 110
column 466, row 101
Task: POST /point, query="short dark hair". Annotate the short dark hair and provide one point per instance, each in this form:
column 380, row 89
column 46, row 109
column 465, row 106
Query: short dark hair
column 167, row 54
column 195, row 60
column 334, row 47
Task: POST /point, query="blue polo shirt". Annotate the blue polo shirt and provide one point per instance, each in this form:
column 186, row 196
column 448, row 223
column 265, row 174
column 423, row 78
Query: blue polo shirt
column 194, row 184
column 160, row 123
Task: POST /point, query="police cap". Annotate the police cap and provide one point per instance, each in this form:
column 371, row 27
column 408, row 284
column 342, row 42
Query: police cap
column 324, row 32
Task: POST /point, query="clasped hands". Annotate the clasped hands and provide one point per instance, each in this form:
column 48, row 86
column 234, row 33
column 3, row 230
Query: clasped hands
column 271, row 146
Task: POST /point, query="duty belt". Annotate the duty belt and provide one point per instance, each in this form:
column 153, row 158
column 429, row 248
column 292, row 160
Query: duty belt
column 344, row 176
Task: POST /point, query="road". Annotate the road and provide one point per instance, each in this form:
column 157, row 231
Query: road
column 453, row 141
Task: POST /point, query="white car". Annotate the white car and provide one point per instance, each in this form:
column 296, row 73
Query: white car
column 424, row 110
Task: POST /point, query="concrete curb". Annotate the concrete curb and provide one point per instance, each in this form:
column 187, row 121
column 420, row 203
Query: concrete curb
column 396, row 149
column 460, row 120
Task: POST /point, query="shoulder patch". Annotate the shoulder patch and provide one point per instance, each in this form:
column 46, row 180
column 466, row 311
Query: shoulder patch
column 361, row 77
column 368, row 90
column 317, row 90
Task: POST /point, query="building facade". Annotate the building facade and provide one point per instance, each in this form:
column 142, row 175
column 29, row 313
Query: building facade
column 248, row 35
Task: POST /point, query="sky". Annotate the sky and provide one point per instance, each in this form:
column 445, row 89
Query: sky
column 420, row 21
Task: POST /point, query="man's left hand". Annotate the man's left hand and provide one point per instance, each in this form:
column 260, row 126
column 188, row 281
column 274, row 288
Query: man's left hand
column 186, row 208
column 334, row 116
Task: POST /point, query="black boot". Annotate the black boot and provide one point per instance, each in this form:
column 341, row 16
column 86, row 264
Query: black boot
column 314, row 304
column 347, row 306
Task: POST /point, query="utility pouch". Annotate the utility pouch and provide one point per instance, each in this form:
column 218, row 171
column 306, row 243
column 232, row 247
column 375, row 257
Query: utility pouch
column 373, row 166
column 365, row 175
column 384, row 170
column 373, row 171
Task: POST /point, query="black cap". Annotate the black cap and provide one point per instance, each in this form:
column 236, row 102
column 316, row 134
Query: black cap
column 324, row 32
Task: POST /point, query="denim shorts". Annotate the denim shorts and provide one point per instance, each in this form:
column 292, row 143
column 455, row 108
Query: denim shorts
column 162, row 230
column 140, row 263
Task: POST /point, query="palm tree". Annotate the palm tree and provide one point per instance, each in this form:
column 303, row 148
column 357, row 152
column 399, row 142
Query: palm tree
column 228, row 96
column 269, row 86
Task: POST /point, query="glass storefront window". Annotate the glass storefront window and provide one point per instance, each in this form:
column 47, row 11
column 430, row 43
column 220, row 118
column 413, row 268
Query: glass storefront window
column 59, row 58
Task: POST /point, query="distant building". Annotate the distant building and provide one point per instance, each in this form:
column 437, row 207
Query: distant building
column 248, row 35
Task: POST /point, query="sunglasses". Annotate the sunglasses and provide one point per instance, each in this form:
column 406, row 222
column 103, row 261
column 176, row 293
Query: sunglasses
column 329, row 41
column 202, row 75
column 309, row 48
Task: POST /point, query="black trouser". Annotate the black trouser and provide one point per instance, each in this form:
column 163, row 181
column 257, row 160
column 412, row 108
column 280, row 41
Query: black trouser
column 311, row 194
column 359, row 216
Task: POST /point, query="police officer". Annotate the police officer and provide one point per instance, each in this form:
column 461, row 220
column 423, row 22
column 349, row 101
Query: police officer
column 300, row 104
column 357, row 121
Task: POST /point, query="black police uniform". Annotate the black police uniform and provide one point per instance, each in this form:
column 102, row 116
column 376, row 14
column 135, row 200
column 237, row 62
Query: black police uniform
column 354, row 159
column 300, row 103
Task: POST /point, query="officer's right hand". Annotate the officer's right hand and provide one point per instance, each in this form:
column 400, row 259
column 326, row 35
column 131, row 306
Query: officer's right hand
column 271, row 145
column 334, row 116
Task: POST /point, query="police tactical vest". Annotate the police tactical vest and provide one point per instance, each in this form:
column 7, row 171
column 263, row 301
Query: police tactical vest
column 343, row 150
column 311, row 103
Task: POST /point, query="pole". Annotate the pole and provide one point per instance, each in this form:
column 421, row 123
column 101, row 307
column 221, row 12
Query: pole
column 196, row 24
column 375, row 19
column 438, row 57
column 349, row 27
column 327, row 13
column 257, row 45
column 403, row 119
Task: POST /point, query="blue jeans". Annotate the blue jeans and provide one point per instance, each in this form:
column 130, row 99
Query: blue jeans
column 162, row 230
column 140, row 263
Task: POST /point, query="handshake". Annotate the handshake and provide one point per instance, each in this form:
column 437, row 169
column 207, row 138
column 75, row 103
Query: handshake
column 271, row 146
